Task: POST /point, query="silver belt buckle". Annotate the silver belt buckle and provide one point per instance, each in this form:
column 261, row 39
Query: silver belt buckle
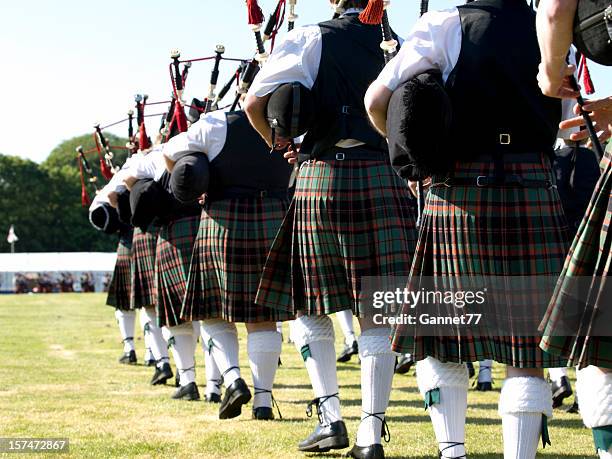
column 340, row 156
column 505, row 139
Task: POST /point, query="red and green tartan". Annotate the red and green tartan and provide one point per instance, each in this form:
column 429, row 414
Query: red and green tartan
column 119, row 286
column 590, row 256
column 143, row 267
column 348, row 219
column 472, row 231
column 231, row 247
column 173, row 258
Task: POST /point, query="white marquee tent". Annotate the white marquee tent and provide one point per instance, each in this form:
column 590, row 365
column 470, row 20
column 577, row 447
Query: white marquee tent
column 98, row 263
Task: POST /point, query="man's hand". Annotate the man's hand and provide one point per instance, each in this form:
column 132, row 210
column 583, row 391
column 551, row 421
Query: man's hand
column 414, row 189
column 600, row 112
column 554, row 81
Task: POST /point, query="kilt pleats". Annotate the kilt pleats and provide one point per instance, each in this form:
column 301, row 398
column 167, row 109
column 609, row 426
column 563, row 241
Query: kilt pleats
column 348, row 219
column 172, row 260
column 590, row 257
column 232, row 244
column 119, row 286
column 477, row 232
column 143, row 267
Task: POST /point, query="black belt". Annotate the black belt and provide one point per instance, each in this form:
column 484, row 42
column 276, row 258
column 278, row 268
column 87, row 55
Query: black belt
column 238, row 193
column 357, row 155
column 484, row 181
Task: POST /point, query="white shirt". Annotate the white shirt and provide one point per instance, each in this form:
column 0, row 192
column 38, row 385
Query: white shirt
column 115, row 184
column 434, row 43
column 150, row 165
column 207, row 136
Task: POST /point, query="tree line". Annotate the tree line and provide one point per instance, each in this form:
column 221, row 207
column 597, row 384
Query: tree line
column 43, row 201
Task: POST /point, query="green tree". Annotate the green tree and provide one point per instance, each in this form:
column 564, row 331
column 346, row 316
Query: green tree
column 44, row 201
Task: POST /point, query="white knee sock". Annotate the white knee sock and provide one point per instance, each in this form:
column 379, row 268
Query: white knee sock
column 484, row 372
column 264, row 349
column 605, row 454
column 279, row 327
column 213, row 375
column 345, row 318
column 183, row 351
column 377, row 365
column 153, row 333
column 594, row 390
column 126, row 321
column 314, row 339
column 444, row 387
column 224, row 339
column 556, row 374
column 523, row 401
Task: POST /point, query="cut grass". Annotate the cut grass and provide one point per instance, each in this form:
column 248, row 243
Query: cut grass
column 60, row 378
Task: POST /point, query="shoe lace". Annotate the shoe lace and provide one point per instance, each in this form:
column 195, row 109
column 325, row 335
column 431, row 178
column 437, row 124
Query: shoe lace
column 222, row 379
column 185, row 370
column 386, row 433
column 259, row 390
column 451, row 444
column 317, row 402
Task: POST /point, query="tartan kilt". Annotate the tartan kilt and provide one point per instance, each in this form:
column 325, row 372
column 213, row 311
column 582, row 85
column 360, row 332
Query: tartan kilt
column 348, row 219
column 472, row 231
column 172, row 261
column 143, row 267
column 119, row 287
column 589, row 256
column 231, row 247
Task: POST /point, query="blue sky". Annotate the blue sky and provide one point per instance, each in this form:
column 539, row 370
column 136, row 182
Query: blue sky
column 70, row 63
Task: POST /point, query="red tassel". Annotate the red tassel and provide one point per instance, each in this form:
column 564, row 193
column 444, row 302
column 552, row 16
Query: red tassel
column 179, row 116
column 106, row 172
column 256, row 16
column 85, row 201
column 373, row 13
column 143, row 139
column 589, row 87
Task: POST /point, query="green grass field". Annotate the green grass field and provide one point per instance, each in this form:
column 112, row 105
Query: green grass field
column 60, row 378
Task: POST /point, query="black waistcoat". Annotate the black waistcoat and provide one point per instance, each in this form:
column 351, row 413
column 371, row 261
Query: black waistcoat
column 494, row 87
column 351, row 59
column 245, row 162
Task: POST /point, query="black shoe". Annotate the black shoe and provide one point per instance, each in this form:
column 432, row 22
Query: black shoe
column 574, row 408
column 324, row 438
column 213, row 398
column 150, row 363
column 561, row 391
column 484, row 386
column 263, row 413
column 128, row 358
column 236, row 395
column 189, row 392
column 471, row 371
column 403, row 365
column 367, row 452
column 162, row 374
column 348, row 352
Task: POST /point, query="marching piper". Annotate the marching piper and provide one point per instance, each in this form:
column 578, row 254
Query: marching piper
column 350, row 217
column 588, row 345
column 244, row 206
column 491, row 212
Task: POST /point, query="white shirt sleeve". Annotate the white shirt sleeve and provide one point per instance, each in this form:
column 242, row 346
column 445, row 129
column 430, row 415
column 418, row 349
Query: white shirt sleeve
column 433, row 44
column 568, row 107
column 295, row 58
column 148, row 166
column 205, row 136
